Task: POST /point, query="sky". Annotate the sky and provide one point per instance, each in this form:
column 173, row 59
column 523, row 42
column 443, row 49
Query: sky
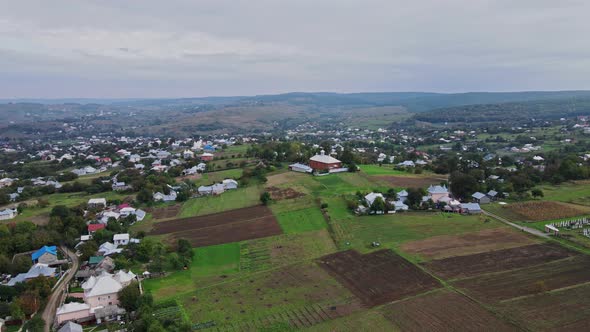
column 195, row 48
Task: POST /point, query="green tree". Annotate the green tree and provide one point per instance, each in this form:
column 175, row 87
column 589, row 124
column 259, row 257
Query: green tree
column 265, row 198
column 537, row 193
column 129, row 297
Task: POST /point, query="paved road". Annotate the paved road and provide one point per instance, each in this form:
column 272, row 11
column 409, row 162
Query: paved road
column 522, row 228
column 58, row 293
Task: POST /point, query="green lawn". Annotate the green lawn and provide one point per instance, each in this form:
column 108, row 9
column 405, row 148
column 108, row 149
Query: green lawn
column 577, row 193
column 299, row 221
column 381, row 170
column 229, row 200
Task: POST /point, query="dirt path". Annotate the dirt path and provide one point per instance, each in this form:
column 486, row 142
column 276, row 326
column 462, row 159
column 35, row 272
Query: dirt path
column 55, row 298
column 522, row 228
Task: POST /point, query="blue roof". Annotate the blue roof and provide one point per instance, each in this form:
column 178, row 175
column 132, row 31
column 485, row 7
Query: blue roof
column 45, row 249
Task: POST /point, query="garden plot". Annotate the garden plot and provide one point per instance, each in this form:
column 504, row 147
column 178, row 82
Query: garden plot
column 379, row 277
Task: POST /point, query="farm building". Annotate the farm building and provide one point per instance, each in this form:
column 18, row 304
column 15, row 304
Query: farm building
column 481, row 198
column 324, row 162
column 97, row 202
column 8, row 214
column 470, row 208
column 301, row 168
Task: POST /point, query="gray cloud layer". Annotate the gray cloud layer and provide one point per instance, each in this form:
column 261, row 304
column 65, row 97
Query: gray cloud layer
column 149, row 48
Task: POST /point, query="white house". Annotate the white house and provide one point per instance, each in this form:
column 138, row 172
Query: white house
column 8, row 214
column 229, row 184
column 121, row 239
column 302, row 168
column 188, row 154
column 165, row 198
column 370, row 198
column 97, row 202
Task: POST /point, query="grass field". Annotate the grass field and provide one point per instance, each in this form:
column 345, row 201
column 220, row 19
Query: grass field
column 577, row 193
column 229, row 200
column 216, row 177
column 382, row 170
column 299, row 221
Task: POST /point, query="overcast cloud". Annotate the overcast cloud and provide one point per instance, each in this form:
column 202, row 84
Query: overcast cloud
column 182, row 48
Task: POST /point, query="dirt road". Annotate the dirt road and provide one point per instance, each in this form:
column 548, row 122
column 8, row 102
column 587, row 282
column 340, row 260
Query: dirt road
column 522, row 228
column 57, row 295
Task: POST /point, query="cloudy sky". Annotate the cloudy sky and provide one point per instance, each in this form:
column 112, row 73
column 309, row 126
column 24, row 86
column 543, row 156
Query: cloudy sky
column 182, row 48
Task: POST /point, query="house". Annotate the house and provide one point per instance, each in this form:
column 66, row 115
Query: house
column 492, row 194
column 481, row 198
column 229, row 184
column 107, row 249
column 70, row 327
column 470, row 208
column 209, row 148
column 407, row 163
column 321, row 162
column 165, row 198
column 188, row 154
column 400, row 206
column 402, row 196
column 6, row 182
column 206, row 156
column 121, row 239
column 371, row 197
column 436, row 193
column 217, row 189
column 45, row 255
column 205, row 190
column 97, row 203
column 119, row 186
column 190, row 171
column 134, row 158
column 34, row 272
column 95, row 227
column 8, row 214
column 201, row 167
column 73, row 311
column 302, row 168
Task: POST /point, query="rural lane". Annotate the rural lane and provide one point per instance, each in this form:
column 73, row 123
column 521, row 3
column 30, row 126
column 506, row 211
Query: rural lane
column 55, row 298
column 522, row 228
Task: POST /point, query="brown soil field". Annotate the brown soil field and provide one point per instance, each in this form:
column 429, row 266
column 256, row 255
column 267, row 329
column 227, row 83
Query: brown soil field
column 406, row 181
column 469, row 243
column 498, row 260
column 443, row 311
column 192, row 177
column 528, row 281
column 379, row 277
column 279, row 194
column 166, row 212
column 230, row 226
column 564, row 310
column 544, row 210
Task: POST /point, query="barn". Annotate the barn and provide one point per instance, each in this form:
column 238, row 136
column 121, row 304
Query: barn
column 324, row 162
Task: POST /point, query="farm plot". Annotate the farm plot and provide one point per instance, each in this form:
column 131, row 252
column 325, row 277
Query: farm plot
column 261, row 254
column 379, row 277
column 498, row 260
column 469, row 243
column 231, row 226
column 443, row 311
column 304, row 220
column 299, row 295
column 564, row 310
column 528, row 281
column 279, row 194
column 545, row 210
column 166, row 212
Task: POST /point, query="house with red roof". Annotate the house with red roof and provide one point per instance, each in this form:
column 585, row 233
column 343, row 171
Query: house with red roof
column 95, row 227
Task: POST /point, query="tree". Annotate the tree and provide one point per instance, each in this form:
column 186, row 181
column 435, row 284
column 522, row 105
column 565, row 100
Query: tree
column 537, row 193
column 391, row 194
column 415, row 197
column 463, row 185
column 378, row 205
column 129, row 297
column 144, row 196
column 36, row 324
column 265, row 198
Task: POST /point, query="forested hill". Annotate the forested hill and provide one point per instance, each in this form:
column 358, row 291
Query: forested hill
column 509, row 112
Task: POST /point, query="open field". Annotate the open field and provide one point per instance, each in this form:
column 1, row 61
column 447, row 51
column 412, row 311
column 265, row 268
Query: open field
column 498, row 260
column 443, row 311
column 299, row 295
column 365, row 320
column 304, row 220
column 224, row 227
column 407, row 181
column 279, row 194
column 528, row 281
column 379, row 277
column 271, row 252
column 563, row 310
column 545, row 210
column 216, row 177
column 577, row 192
column 373, row 169
column 229, row 200
column 468, row 243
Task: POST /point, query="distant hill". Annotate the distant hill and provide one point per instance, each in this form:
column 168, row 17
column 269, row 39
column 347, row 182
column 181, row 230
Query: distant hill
column 514, row 112
column 412, row 101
